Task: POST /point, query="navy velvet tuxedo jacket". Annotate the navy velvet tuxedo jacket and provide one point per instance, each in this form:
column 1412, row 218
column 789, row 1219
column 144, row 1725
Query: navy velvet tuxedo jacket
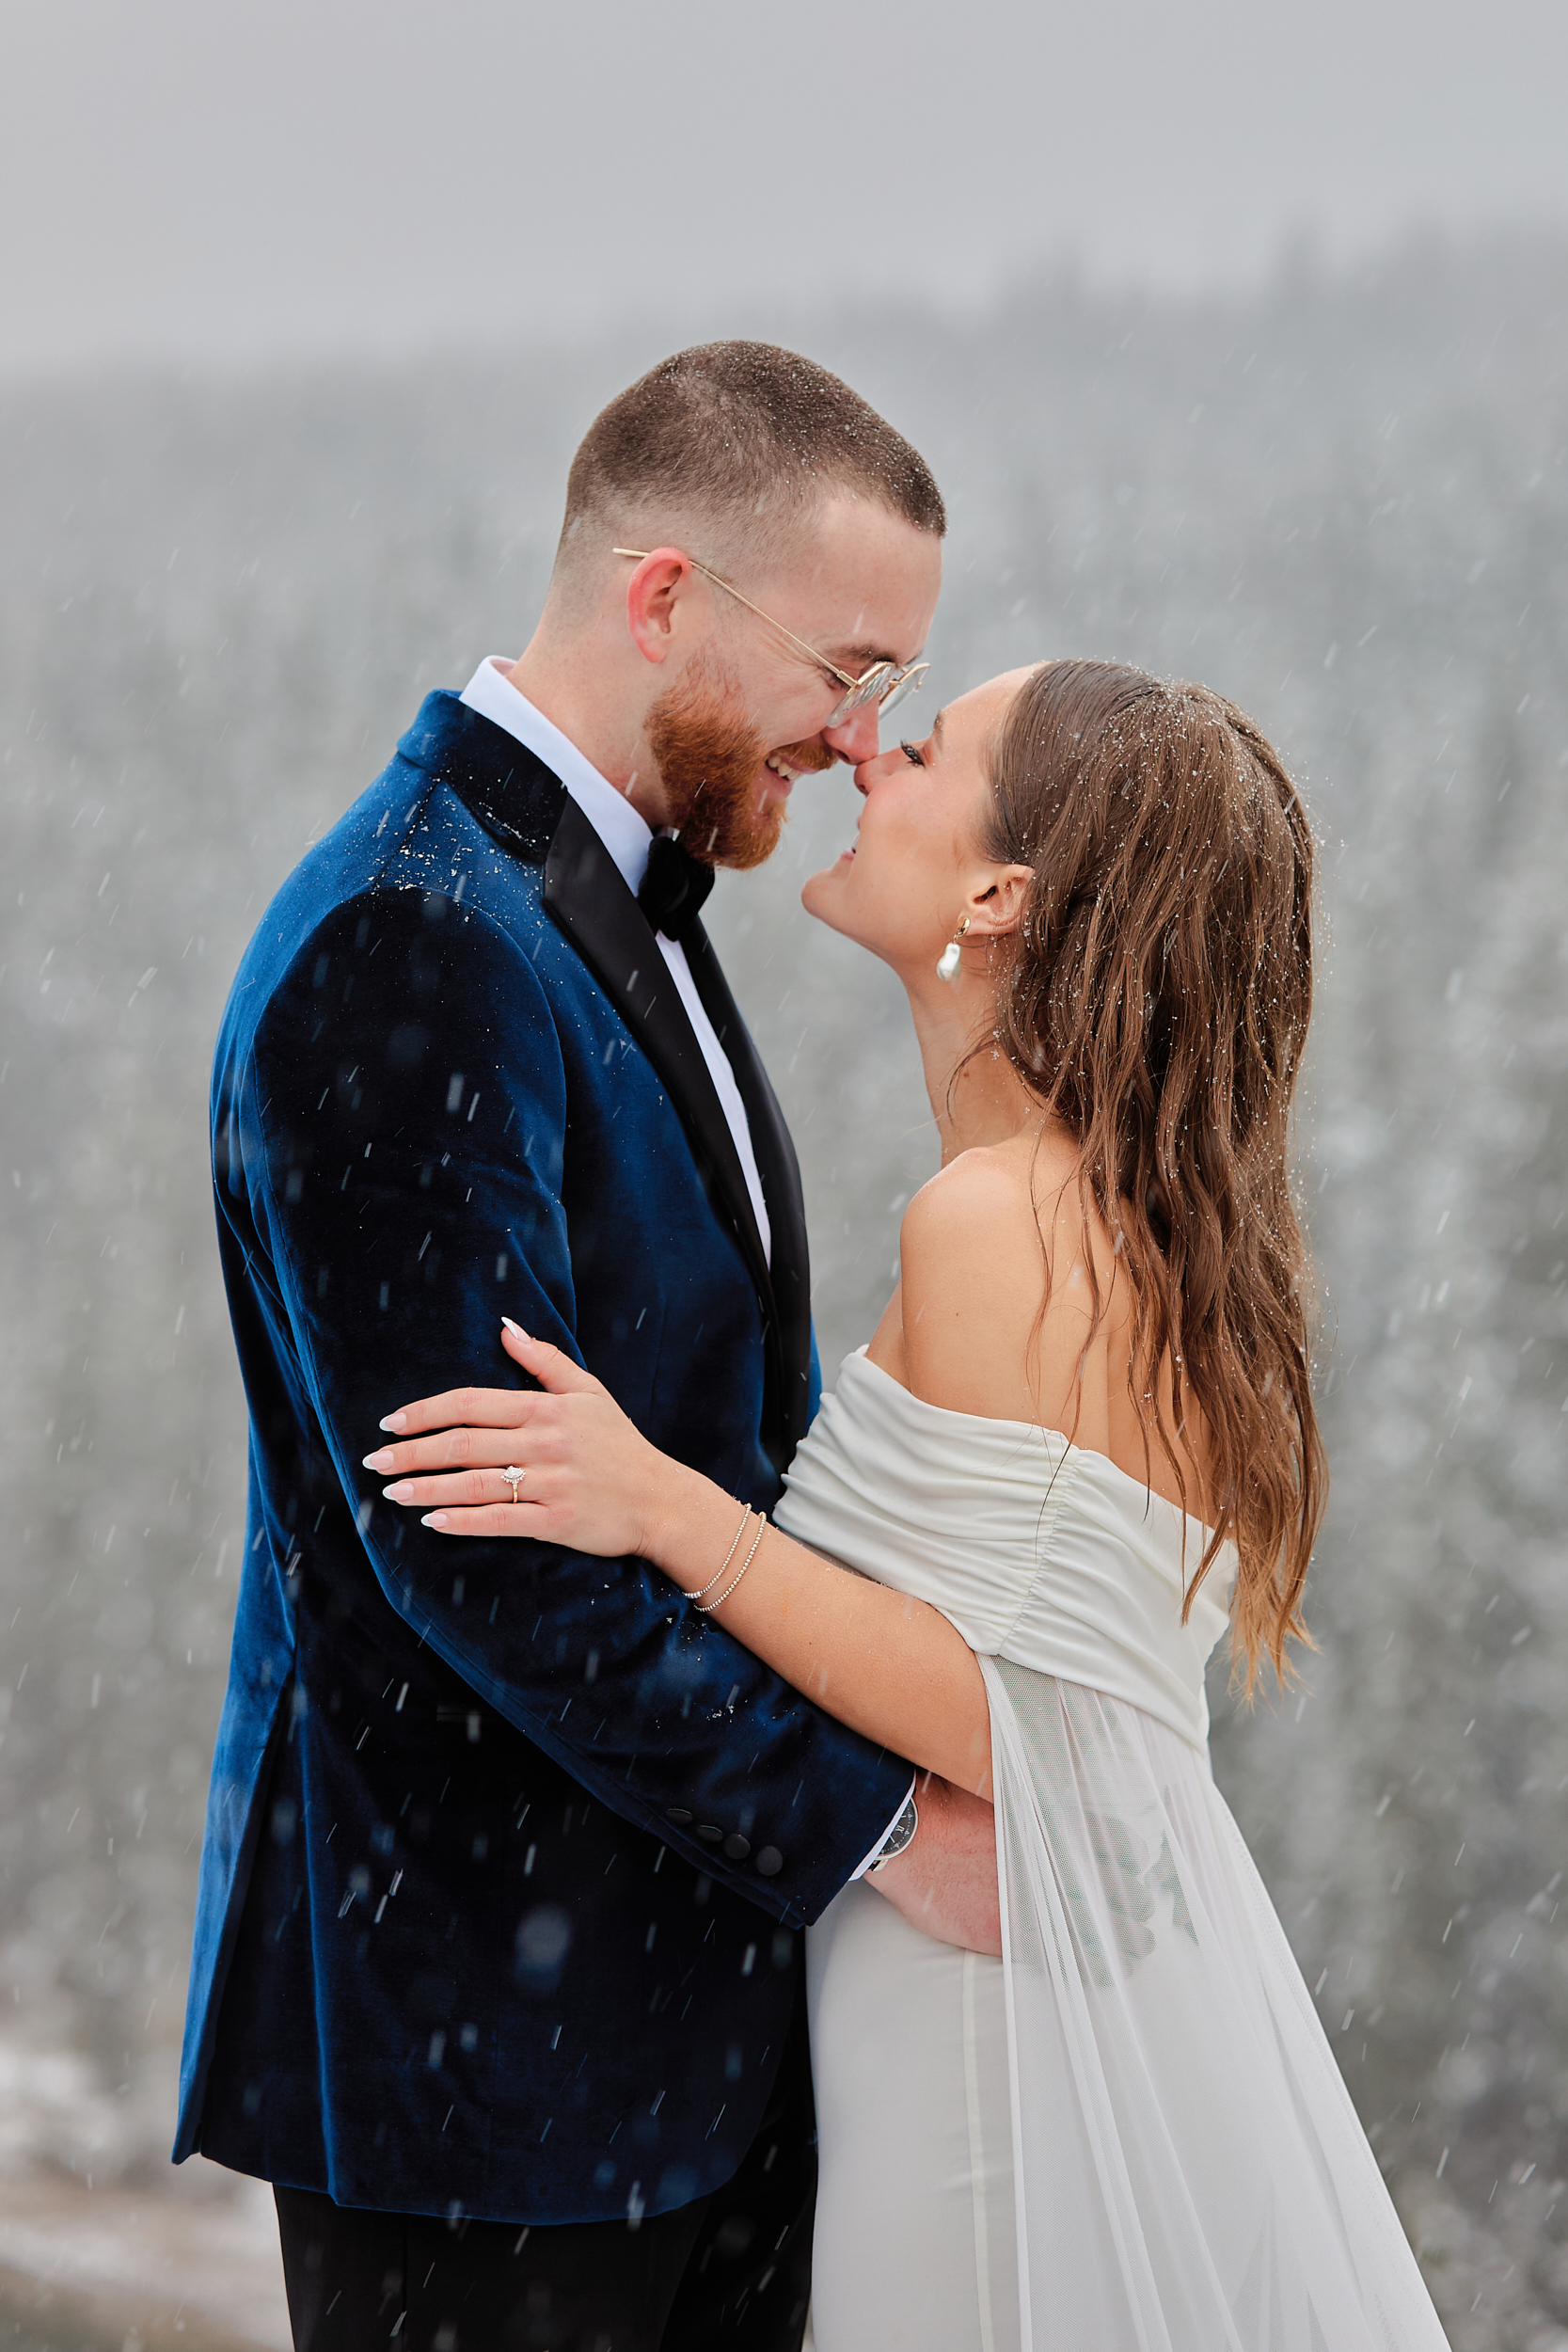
column 507, row 1850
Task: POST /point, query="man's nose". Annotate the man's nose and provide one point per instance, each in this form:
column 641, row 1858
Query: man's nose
column 857, row 738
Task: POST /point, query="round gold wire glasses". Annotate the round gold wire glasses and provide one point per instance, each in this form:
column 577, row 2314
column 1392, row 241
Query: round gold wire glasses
column 886, row 683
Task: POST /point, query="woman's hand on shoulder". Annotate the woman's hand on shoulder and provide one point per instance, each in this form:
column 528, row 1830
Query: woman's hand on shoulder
column 559, row 1463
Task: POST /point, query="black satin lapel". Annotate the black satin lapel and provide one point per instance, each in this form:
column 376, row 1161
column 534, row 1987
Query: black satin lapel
column 587, row 896
column 780, row 1172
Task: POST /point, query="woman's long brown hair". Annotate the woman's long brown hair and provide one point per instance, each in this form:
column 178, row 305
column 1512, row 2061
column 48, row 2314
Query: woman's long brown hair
column 1157, row 1003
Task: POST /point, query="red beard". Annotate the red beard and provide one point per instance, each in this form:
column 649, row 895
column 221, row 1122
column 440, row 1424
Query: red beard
column 708, row 756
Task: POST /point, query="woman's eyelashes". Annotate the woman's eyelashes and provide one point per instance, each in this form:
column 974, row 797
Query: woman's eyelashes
column 913, row 753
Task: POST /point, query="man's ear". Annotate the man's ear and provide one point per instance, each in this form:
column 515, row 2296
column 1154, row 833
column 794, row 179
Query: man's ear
column 653, row 595
column 996, row 908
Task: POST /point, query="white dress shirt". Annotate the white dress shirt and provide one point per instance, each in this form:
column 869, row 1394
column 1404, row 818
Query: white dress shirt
column 628, row 838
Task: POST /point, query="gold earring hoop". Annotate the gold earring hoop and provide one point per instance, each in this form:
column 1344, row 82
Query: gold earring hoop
column 952, row 955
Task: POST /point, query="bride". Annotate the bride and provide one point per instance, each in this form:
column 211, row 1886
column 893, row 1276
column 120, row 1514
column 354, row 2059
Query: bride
column 1079, row 1449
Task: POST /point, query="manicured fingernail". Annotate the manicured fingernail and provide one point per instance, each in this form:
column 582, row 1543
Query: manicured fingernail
column 394, row 1420
column 382, row 1460
column 433, row 1519
column 399, row 1493
column 516, row 1329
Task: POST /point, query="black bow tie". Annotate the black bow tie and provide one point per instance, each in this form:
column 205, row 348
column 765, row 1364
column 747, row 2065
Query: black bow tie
column 674, row 887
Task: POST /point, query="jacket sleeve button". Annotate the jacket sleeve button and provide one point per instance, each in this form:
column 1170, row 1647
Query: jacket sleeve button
column 736, row 1847
column 678, row 1814
column 710, row 1831
column 770, row 1862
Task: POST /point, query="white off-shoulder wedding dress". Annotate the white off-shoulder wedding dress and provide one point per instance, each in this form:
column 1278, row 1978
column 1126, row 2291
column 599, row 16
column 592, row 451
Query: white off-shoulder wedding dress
column 1130, row 2134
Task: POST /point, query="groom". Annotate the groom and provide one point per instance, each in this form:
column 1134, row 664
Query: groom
column 498, row 1962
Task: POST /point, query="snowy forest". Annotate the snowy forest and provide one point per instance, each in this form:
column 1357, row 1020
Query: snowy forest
column 1342, row 500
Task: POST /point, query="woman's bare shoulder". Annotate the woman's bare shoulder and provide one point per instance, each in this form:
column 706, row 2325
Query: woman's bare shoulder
column 980, row 1244
column 989, row 1182
column 988, row 1202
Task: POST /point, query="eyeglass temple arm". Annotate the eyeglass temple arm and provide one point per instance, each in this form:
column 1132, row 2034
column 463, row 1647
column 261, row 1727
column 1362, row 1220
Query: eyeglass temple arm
column 708, row 571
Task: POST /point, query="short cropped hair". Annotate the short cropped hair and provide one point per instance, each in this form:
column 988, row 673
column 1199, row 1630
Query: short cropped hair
column 738, row 438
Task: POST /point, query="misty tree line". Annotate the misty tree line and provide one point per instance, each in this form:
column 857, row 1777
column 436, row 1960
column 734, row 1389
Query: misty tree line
column 1341, row 501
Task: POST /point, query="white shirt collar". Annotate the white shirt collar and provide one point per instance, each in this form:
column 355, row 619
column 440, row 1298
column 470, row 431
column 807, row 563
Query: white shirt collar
column 624, row 833
column 627, row 839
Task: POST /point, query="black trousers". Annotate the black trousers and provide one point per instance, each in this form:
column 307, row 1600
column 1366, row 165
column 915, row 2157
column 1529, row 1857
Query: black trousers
column 731, row 2272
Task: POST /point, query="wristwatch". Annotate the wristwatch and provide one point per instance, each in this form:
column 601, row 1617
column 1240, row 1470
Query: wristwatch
column 902, row 1832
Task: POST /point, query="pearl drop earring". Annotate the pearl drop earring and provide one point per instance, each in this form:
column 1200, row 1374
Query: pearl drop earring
column 952, row 955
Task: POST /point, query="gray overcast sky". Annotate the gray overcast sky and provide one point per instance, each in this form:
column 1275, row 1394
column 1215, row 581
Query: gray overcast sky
column 183, row 178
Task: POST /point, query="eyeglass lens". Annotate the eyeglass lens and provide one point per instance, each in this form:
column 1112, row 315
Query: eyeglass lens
column 908, row 684
column 875, row 688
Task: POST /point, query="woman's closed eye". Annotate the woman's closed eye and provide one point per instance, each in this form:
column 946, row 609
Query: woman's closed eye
column 913, row 753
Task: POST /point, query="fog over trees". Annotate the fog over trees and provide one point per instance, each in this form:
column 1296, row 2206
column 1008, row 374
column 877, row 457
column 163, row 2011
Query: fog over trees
column 1343, row 502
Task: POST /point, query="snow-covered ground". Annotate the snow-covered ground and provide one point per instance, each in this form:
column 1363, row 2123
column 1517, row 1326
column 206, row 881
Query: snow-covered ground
column 95, row 2247
column 201, row 2272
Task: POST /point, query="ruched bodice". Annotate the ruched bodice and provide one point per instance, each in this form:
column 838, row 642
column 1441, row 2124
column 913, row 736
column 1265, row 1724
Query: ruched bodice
column 1039, row 1551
